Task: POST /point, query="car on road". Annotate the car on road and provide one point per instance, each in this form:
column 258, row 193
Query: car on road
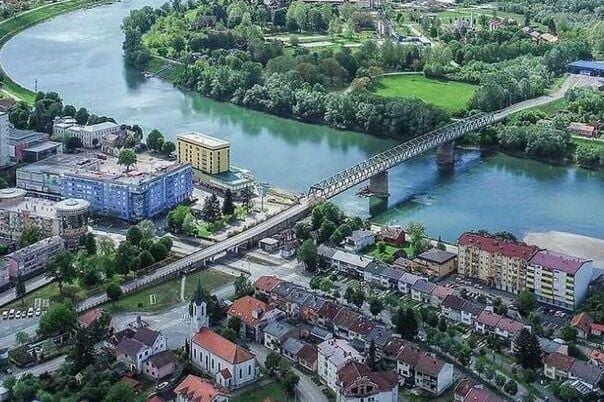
column 162, row 385
column 4, row 315
column 30, row 312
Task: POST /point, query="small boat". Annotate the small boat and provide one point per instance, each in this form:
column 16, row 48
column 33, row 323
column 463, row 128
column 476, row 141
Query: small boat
column 364, row 192
column 147, row 74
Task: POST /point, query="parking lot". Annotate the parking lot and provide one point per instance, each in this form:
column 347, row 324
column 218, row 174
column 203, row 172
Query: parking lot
column 16, row 314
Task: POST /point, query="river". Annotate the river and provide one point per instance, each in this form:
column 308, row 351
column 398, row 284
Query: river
column 79, row 56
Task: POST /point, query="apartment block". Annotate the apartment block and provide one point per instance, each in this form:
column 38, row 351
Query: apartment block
column 501, row 263
column 207, row 154
column 91, row 136
column 558, row 279
column 32, row 259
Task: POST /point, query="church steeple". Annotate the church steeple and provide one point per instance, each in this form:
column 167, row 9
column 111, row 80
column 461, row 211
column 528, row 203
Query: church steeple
column 198, row 311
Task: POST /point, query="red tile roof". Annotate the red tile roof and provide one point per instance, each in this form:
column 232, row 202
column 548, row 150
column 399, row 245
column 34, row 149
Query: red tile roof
column 197, row 389
column 441, row 292
column 266, row 283
column 488, row 318
column 89, row 317
column 346, row 318
column 508, row 248
column 558, row 262
column 221, row 347
column 509, row 325
column 597, row 356
column 597, row 327
column 329, row 310
column 249, row 310
column 429, row 365
column 308, row 353
column 409, row 354
column 582, row 321
column 356, row 377
column 362, row 326
column 558, row 360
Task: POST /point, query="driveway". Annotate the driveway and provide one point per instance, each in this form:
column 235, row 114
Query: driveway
column 306, row 390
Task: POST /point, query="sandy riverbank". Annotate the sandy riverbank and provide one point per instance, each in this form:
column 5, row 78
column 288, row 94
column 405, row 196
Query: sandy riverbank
column 569, row 243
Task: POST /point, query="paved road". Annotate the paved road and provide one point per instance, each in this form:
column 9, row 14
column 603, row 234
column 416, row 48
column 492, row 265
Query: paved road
column 8, row 296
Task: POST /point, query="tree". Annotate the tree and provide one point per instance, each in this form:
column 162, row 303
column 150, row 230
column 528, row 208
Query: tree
column 158, row 251
column 167, row 243
column 22, row 337
column 120, row 392
column 308, row 255
column 500, row 380
column 567, row 393
column 527, row 350
column 511, row 387
column 25, row 388
column 247, row 197
column 569, row 334
column 82, row 116
column 146, row 259
column 302, row 230
column 155, row 140
column 235, row 324
column 211, row 209
column 290, row 380
column 243, row 287
column 371, row 359
column 60, row 318
column 20, row 288
column 62, row 268
column 358, row 297
column 126, row 157
column 406, row 323
column 134, row 235
column 272, row 362
column 526, row 302
column 126, row 258
column 29, row 235
column 147, row 228
column 82, row 353
column 88, row 241
column 177, row 216
column 442, row 324
column 228, row 208
column 114, row 292
column 376, row 305
column 72, row 143
column 168, row 148
column 417, row 242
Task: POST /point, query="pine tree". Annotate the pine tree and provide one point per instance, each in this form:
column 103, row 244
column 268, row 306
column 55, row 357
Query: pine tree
column 371, row 361
column 211, row 209
column 228, row 208
column 527, row 350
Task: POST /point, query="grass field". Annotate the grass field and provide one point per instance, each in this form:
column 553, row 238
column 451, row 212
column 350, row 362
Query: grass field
column 272, row 392
column 598, row 143
column 11, row 26
column 168, row 294
column 451, row 95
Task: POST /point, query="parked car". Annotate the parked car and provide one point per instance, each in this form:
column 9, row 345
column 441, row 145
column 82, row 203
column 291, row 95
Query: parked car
column 11, row 313
column 4, row 315
column 18, row 314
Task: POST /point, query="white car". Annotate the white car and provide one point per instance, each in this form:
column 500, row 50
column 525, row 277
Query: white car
column 38, row 311
column 11, row 313
column 18, row 314
column 4, row 315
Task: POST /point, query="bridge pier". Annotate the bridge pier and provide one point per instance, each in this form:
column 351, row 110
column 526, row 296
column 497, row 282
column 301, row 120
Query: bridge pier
column 445, row 154
column 378, row 184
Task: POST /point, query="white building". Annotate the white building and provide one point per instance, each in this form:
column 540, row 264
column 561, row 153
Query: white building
column 357, row 383
column 5, row 151
column 228, row 363
column 359, row 240
column 135, row 350
column 91, row 136
column 333, row 354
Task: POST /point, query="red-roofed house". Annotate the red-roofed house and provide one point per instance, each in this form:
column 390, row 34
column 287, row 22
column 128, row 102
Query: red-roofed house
column 416, row 367
column 231, row 365
column 558, row 279
column 254, row 315
column 468, row 391
column 265, row 284
column 90, row 317
column 134, row 350
column 582, row 323
column 356, row 383
column 197, row 389
column 596, row 357
column 501, row 263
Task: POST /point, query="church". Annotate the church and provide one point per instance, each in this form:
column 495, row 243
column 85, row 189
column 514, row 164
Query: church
column 228, row 363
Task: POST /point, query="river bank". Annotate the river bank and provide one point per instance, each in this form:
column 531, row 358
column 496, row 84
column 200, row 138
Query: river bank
column 11, row 26
column 569, row 243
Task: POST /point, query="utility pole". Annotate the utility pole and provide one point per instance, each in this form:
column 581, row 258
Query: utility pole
column 36, row 85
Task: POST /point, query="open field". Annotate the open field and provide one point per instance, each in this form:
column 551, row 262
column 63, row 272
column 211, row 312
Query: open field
column 168, row 293
column 598, row 143
column 12, row 26
column 272, row 392
column 451, row 95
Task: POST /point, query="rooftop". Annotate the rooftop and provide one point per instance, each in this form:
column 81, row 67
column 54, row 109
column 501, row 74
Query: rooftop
column 598, row 65
column 278, row 329
column 356, row 260
column 248, row 309
column 221, row 347
column 554, row 261
column 338, row 351
column 436, row 256
column 197, row 389
column 204, row 140
column 358, row 381
column 508, row 248
column 266, row 283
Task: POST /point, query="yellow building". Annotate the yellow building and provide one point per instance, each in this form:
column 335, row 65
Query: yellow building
column 205, row 153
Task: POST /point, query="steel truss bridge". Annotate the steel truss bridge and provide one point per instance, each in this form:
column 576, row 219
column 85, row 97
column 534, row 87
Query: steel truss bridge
column 383, row 161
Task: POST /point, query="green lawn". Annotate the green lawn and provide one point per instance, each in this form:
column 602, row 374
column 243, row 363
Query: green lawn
column 386, row 256
column 598, row 143
column 273, row 392
column 451, row 95
column 168, row 293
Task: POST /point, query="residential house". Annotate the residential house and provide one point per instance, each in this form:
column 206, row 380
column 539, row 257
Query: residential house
column 470, row 312
column 407, row 265
column 451, row 307
column 390, row 277
column 582, row 323
column 291, row 347
column 308, row 357
column 265, row 284
column 469, row 391
column 269, row 244
column 558, row 279
column 343, row 322
column 327, row 314
column 357, row 383
column 309, row 311
column 418, row 368
column 372, row 274
column 361, row 328
column 254, row 315
column 135, row 350
column 407, row 281
column 583, row 129
column 332, row 356
column 90, row 317
column 439, row 293
column 276, row 333
column 295, row 300
column 596, row 357
column 197, row 389
column 394, row 235
column 229, row 364
column 349, row 263
column 438, row 263
column 558, row 366
column 380, row 336
column 280, row 292
column 501, row 263
column 359, row 240
column 421, row 291
column 160, row 365
column 318, row 334
column 486, row 322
